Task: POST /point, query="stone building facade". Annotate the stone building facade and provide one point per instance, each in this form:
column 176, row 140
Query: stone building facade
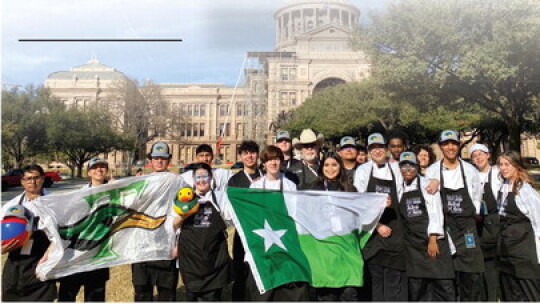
column 313, row 51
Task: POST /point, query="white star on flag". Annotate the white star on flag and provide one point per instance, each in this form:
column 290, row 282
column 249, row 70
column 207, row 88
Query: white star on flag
column 271, row 236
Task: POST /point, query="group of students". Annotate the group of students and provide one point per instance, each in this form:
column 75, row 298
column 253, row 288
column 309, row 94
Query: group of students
column 450, row 231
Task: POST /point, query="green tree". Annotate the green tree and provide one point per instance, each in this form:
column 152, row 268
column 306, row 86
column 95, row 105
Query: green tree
column 483, row 54
column 361, row 108
column 81, row 135
column 23, row 126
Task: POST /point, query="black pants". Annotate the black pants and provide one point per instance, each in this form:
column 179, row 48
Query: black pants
column 519, row 290
column 470, row 286
column 344, row 294
column 387, row 284
column 491, row 281
column 431, row 290
column 94, row 290
column 291, row 292
column 205, row 296
column 161, row 274
column 145, row 293
column 240, row 270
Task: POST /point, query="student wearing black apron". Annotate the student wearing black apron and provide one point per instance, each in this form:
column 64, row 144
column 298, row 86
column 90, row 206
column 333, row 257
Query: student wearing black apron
column 161, row 274
column 348, row 153
column 19, row 281
column 249, row 155
column 271, row 158
column 519, row 238
column 205, row 264
column 384, row 250
column 304, row 173
column 488, row 227
column 333, row 177
column 94, row 281
column 429, row 262
column 461, row 194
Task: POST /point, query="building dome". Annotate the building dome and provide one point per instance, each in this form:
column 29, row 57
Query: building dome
column 92, row 70
column 299, row 17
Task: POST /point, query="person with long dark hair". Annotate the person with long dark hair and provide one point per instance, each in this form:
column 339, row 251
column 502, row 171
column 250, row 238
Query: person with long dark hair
column 425, row 156
column 519, row 238
column 333, row 177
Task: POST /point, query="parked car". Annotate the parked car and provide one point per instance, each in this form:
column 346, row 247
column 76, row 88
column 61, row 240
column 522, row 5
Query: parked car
column 13, row 178
column 530, row 160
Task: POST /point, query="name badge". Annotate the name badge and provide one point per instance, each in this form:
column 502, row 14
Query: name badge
column 469, row 241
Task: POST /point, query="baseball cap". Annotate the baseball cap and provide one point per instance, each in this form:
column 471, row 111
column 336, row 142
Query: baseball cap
column 376, row 138
column 159, row 149
column 94, row 161
column 407, row 157
column 447, row 135
column 283, row 134
column 347, row 141
column 478, row 147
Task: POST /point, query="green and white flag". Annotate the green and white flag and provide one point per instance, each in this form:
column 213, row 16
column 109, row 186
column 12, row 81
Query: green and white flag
column 124, row 222
column 311, row 236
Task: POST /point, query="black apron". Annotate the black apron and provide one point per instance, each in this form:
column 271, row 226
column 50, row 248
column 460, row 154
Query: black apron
column 19, row 281
column 460, row 223
column 386, row 252
column 517, row 245
column 415, row 221
column 203, row 256
column 489, row 228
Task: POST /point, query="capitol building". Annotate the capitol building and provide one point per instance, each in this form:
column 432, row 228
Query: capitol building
column 312, row 51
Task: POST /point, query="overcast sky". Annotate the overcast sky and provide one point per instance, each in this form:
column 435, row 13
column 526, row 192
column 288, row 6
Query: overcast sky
column 216, row 35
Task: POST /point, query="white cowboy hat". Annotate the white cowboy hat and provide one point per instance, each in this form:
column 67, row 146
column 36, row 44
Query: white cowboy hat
column 308, row 137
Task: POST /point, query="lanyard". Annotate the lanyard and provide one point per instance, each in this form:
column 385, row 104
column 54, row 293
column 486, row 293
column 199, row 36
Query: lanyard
column 249, row 177
column 309, row 167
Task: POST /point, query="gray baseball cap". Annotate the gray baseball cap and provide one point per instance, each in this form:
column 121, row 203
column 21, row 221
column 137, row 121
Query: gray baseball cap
column 447, row 135
column 94, row 161
column 376, row 138
column 347, row 141
column 283, row 134
column 159, row 149
column 407, row 157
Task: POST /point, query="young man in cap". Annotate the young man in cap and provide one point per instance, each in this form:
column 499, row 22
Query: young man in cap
column 249, row 155
column 348, row 152
column 19, row 281
column 461, row 194
column 162, row 274
column 384, row 250
column 220, row 176
column 284, row 143
column 304, row 173
column 93, row 281
column 488, row 228
column 396, row 144
column 429, row 261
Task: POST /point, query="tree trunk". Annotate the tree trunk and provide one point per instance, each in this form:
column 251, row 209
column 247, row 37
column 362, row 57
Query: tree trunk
column 79, row 169
column 514, row 137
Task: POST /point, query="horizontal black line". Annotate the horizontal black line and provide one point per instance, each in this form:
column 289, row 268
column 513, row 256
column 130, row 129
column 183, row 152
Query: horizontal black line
column 100, row 40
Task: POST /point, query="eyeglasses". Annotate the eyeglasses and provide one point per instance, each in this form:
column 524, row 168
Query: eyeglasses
column 309, row 146
column 200, row 178
column 407, row 168
column 31, row 178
